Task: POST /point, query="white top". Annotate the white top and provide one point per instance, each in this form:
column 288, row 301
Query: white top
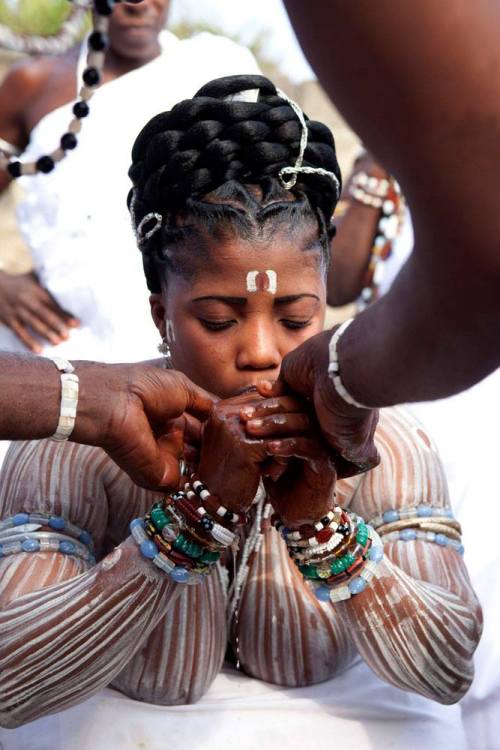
column 75, row 220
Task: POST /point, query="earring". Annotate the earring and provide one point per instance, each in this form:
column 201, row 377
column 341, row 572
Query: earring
column 164, row 348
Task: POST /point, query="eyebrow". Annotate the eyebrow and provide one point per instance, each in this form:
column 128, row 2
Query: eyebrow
column 242, row 300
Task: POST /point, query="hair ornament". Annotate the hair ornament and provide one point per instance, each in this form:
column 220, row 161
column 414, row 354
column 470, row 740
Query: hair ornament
column 141, row 235
column 298, row 167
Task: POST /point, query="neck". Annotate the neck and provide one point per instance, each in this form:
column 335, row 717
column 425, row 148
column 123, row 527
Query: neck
column 116, row 65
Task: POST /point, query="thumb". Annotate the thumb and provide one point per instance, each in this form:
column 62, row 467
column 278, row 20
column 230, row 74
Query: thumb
column 301, row 367
column 168, row 394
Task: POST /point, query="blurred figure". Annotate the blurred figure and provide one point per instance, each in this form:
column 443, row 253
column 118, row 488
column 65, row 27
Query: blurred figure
column 74, row 220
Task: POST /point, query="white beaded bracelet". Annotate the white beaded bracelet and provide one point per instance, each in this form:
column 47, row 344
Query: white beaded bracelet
column 69, row 399
column 333, row 367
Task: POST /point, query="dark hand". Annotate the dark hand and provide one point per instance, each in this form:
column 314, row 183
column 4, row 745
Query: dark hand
column 28, row 309
column 139, row 415
column 303, row 491
column 349, row 430
column 231, row 461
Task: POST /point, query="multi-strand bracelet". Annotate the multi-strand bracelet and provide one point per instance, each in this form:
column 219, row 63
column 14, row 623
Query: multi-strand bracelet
column 422, row 522
column 391, row 207
column 24, row 532
column 338, row 555
column 186, row 533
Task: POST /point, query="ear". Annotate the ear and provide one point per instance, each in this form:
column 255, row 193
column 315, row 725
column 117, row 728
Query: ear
column 158, row 313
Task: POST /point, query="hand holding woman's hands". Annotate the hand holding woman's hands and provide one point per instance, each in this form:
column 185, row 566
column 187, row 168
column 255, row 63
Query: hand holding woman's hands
column 303, row 491
column 348, row 430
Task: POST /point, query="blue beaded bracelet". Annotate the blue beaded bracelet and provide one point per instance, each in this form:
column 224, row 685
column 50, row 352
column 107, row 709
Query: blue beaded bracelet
column 58, row 523
column 150, row 551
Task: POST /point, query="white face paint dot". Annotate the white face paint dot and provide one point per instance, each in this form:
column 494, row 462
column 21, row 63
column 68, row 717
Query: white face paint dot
column 262, row 281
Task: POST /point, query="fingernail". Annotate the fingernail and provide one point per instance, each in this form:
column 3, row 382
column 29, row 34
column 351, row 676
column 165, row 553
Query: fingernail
column 255, row 423
column 275, row 445
column 248, row 412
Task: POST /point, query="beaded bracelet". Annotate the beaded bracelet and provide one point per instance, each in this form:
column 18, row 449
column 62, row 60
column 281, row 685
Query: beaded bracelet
column 359, row 583
column 57, row 523
column 43, row 541
column 180, row 537
column 334, row 367
column 422, row 511
column 410, row 535
column 206, row 496
column 391, row 207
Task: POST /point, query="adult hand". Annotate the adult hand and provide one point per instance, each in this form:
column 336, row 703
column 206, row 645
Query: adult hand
column 232, row 462
column 349, row 430
column 140, row 415
column 30, row 311
column 303, row 492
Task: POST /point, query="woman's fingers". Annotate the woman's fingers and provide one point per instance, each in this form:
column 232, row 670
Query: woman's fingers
column 305, row 448
column 278, row 425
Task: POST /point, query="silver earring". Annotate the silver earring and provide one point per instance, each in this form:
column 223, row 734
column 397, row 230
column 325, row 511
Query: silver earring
column 164, row 348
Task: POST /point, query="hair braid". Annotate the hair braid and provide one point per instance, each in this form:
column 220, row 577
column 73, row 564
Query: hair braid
column 210, row 140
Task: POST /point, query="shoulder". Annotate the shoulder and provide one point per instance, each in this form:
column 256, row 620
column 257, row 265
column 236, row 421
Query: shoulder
column 410, row 472
column 29, row 75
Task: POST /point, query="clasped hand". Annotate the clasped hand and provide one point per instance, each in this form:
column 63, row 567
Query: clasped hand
column 248, row 437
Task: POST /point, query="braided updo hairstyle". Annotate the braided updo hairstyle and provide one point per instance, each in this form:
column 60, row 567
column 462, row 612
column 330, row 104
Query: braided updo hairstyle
column 212, row 164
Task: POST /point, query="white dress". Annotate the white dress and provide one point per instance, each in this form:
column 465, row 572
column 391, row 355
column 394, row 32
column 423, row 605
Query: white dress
column 75, row 220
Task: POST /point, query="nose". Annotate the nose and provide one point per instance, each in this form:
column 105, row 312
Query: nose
column 258, row 347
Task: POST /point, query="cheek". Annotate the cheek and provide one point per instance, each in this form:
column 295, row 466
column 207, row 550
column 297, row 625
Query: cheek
column 206, row 359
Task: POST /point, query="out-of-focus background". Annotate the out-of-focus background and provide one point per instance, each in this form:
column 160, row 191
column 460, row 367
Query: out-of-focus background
column 262, row 25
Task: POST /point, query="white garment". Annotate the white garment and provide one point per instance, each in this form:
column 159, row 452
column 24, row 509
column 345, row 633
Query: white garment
column 355, row 711
column 75, row 220
column 465, row 430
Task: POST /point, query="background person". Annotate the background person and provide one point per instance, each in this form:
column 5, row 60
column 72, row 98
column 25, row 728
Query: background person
column 74, row 220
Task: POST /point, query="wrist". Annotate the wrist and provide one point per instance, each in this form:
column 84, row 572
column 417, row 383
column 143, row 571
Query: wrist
column 94, row 416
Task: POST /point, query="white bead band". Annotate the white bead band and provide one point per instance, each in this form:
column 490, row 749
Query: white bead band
column 69, row 399
column 333, row 367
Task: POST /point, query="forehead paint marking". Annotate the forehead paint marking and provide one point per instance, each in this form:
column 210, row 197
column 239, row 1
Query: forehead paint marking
column 169, row 331
column 262, row 281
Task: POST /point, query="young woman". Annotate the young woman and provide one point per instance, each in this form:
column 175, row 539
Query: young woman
column 231, row 203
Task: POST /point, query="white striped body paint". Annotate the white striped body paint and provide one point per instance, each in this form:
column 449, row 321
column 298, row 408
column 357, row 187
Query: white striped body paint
column 66, row 630
column 262, row 281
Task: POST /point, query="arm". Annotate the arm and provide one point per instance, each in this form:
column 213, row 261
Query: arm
column 20, row 85
column 353, row 242
column 66, row 630
column 437, row 131
column 125, row 409
column 419, row 622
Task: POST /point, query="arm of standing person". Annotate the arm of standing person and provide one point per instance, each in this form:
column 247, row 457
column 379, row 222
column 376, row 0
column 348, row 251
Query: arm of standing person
column 121, row 408
column 436, row 67
column 356, row 225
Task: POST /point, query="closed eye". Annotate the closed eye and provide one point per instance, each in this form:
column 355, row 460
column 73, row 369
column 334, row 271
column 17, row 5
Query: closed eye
column 216, row 325
column 294, row 324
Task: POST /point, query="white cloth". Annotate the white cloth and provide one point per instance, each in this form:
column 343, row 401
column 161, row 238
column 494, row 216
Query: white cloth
column 355, row 711
column 75, row 220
